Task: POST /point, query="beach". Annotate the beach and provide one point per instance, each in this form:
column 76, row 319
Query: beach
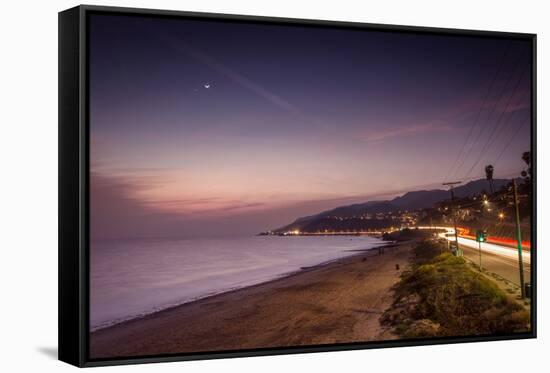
column 337, row 302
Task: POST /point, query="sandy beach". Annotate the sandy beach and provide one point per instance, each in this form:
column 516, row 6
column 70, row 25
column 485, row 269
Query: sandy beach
column 333, row 303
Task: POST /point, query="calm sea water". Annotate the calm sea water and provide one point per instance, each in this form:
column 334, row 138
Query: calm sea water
column 136, row 277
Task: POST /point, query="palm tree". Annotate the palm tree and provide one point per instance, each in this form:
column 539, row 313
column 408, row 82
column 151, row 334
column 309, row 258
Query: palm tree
column 526, row 156
column 489, row 170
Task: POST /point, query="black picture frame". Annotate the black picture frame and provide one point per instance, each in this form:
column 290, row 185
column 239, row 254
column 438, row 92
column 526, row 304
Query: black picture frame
column 74, row 188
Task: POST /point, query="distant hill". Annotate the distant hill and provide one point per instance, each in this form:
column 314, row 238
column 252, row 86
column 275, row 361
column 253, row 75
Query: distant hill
column 414, row 200
column 478, row 186
column 419, row 199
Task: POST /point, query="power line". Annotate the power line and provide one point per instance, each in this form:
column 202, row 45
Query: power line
column 486, row 97
column 501, row 95
column 504, row 175
column 490, row 199
column 492, row 139
column 497, row 125
column 511, row 139
column 504, row 126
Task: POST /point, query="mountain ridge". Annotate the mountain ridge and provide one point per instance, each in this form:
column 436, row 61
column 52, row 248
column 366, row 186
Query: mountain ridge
column 413, row 200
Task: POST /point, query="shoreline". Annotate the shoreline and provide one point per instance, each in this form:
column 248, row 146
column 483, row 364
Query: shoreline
column 110, row 324
column 272, row 313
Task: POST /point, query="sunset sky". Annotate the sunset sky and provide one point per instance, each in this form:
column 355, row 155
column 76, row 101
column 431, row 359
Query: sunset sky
column 213, row 128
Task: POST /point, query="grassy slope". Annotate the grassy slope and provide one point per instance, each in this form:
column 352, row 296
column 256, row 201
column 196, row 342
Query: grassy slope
column 442, row 296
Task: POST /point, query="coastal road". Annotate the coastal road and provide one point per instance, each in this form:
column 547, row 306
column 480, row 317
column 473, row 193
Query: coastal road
column 507, row 268
column 501, row 260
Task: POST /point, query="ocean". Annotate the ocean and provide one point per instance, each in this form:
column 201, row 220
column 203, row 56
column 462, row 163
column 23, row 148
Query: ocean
column 133, row 278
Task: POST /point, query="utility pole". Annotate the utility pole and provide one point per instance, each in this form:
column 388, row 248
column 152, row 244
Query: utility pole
column 518, row 230
column 453, row 209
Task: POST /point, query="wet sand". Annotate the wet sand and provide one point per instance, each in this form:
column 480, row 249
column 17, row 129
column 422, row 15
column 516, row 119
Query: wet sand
column 339, row 302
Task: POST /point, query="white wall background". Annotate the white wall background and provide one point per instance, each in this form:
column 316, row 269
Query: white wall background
column 28, row 187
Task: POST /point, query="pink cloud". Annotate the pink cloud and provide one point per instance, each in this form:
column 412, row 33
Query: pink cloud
column 117, row 211
column 214, row 206
column 384, row 134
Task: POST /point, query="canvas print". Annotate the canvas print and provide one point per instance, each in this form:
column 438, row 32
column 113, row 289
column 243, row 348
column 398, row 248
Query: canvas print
column 259, row 185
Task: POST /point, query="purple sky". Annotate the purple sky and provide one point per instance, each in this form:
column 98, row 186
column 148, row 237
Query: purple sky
column 201, row 128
